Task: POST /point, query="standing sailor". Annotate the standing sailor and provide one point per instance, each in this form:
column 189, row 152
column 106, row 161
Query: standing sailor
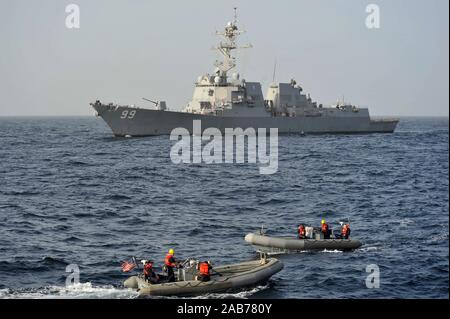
column 301, row 231
column 170, row 262
column 325, row 230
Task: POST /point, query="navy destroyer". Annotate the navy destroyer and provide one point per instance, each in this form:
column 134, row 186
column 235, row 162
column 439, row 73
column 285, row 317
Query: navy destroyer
column 223, row 100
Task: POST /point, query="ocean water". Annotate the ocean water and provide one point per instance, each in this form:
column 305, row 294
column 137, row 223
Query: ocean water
column 71, row 193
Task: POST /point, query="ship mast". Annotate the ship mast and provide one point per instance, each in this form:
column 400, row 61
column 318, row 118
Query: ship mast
column 225, row 47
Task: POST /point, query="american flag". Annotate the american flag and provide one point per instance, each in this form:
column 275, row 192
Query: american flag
column 127, row 266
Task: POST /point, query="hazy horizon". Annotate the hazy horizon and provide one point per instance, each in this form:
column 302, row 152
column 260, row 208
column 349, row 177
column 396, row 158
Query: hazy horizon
column 124, row 51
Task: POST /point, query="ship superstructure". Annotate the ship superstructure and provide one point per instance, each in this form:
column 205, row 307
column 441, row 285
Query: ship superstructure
column 225, row 100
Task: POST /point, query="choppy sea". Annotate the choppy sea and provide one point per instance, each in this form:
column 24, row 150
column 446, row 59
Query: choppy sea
column 71, row 193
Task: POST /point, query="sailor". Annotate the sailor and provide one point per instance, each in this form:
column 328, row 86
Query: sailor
column 345, row 231
column 149, row 274
column 204, row 268
column 170, row 262
column 325, row 230
column 301, row 231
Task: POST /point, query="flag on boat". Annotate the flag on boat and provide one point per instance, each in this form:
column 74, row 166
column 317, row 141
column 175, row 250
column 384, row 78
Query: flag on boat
column 127, row 266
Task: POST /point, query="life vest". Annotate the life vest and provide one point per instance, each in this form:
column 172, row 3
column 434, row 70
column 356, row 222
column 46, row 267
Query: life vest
column 203, row 268
column 325, row 228
column 168, row 262
column 345, row 230
column 301, row 231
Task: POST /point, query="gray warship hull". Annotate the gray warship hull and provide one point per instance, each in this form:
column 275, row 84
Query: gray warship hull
column 147, row 122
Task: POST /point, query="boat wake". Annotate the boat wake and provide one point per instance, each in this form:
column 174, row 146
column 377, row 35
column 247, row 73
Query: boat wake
column 334, row 251
column 244, row 294
column 76, row 291
column 287, row 252
column 366, row 249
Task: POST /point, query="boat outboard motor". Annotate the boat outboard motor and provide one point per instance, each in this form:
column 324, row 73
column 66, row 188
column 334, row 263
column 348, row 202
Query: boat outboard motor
column 189, row 269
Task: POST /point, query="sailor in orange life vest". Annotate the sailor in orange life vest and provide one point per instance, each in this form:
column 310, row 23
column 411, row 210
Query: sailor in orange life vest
column 325, row 230
column 301, row 231
column 204, row 268
column 149, row 274
column 170, row 263
column 345, row 231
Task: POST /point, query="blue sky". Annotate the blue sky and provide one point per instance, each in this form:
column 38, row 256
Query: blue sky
column 126, row 50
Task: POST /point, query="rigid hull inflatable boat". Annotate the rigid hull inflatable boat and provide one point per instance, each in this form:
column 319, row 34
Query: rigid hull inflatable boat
column 273, row 245
column 223, row 278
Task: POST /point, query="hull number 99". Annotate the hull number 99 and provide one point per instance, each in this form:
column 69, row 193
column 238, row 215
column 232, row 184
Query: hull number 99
column 128, row 114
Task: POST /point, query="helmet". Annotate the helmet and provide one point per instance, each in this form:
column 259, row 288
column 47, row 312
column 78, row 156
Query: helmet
column 323, row 221
column 171, row 251
column 143, row 261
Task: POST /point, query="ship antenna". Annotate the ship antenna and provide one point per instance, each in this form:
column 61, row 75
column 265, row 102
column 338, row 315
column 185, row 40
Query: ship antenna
column 274, row 70
column 230, row 36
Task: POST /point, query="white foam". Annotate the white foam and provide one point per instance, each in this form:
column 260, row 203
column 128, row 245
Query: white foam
column 76, row 291
column 88, row 291
column 4, row 293
column 245, row 294
column 406, row 222
column 335, row 251
column 364, row 249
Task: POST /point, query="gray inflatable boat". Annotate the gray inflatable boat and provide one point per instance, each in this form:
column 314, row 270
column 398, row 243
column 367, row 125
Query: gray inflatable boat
column 223, row 278
column 277, row 245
